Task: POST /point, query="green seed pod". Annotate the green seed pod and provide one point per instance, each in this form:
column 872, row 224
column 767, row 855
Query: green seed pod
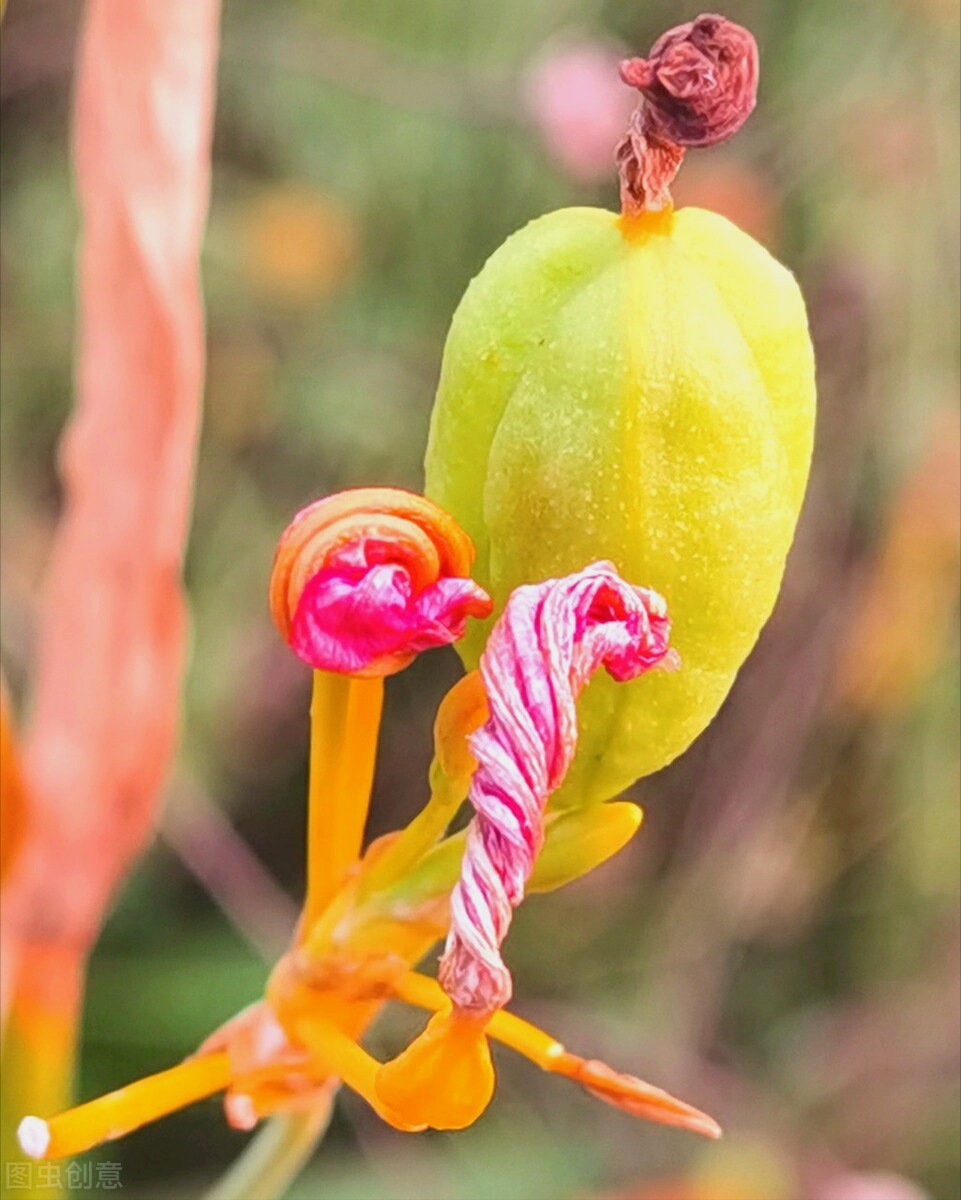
column 640, row 389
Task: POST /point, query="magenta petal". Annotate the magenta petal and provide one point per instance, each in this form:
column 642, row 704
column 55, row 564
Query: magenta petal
column 350, row 617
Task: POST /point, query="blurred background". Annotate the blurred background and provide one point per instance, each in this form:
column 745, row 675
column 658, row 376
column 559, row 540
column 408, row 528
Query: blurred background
column 781, row 943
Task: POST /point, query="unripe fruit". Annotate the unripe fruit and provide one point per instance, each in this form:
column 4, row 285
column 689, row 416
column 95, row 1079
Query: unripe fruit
column 639, row 389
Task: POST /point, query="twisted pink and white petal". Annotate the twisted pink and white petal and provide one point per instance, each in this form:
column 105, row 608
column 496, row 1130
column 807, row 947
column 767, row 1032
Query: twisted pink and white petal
column 548, row 642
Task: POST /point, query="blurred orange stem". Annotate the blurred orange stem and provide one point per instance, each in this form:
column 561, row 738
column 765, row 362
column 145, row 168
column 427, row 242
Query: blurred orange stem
column 13, row 812
column 112, row 631
column 344, row 724
column 39, row 1044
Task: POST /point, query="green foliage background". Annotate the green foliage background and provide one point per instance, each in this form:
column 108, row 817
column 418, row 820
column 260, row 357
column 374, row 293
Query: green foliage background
column 780, row 945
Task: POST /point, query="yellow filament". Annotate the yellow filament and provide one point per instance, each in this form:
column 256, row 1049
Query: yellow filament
column 129, row 1107
column 344, row 723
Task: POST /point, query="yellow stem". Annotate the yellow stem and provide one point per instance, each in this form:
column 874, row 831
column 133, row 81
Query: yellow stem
column 344, row 724
column 126, row 1109
column 40, row 1038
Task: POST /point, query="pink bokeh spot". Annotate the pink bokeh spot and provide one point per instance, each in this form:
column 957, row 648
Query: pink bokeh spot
column 580, row 107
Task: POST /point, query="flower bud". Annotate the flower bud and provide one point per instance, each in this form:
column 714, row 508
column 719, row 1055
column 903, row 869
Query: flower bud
column 366, row 579
column 639, row 389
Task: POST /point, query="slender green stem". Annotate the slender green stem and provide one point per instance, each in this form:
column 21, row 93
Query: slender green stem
column 277, row 1155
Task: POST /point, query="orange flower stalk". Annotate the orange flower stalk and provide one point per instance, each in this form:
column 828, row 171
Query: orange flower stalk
column 369, row 918
column 362, row 581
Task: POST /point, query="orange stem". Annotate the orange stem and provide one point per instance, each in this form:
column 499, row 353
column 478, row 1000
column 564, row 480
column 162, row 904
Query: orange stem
column 341, row 1056
column 344, row 721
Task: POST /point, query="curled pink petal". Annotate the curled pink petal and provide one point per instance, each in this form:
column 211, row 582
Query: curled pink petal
column 350, row 620
column 549, row 641
column 366, row 579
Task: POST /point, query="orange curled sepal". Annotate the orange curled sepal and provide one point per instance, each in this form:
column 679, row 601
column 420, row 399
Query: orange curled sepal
column 366, row 579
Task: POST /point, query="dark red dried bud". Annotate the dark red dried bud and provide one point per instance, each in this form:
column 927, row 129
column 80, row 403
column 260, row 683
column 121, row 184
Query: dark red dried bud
column 699, row 81
column 699, row 85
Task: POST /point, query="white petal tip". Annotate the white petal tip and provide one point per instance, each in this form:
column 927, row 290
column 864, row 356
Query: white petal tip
column 33, row 1134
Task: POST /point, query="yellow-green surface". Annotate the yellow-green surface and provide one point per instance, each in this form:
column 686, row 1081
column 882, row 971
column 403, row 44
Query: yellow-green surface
column 641, row 392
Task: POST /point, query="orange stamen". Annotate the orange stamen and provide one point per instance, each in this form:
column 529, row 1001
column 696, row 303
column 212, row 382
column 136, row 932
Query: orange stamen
column 445, row 1077
column 126, row 1109
column 386, row 524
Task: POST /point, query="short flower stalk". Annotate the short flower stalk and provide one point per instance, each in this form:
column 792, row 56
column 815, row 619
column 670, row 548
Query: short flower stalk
column 362, row 582
column 386, row 571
